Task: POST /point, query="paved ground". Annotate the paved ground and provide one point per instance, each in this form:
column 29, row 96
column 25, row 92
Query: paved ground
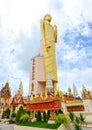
column 12, row 127
column 28, row 128
column 83, row 128
column 33, row 128
column 6, row 127
column 87, row 128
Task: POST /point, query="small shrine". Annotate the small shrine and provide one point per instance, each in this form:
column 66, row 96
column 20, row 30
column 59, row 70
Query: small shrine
column 4, row 98
column 5, row 92
column 87, row 99
column 17, row 99
column 86, row 94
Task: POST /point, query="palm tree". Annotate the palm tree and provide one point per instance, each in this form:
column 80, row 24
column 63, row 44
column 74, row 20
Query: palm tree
column 63, row 119
column 77, row 127
column 71, row 116
column 82, row 118
column 77, row 120
column 77, row 123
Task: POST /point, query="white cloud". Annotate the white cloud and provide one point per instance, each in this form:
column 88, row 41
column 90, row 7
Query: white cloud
column 74, row 56
column 21, row 15
column 79, row 77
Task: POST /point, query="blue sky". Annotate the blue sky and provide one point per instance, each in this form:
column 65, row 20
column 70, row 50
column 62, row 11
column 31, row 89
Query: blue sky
column 20, row 40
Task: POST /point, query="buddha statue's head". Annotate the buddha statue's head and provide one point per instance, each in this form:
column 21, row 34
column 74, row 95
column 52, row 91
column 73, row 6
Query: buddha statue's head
column 48, row 17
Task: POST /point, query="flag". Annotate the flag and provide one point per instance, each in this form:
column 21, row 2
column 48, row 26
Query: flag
column 51, row 94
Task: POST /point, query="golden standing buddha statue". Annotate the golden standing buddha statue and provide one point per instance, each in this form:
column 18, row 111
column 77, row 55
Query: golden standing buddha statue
column 49, row 38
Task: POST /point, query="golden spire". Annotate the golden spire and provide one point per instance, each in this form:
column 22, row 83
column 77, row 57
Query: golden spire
column 46, row 95
column 59, row 93
column 69, row 91
column 55, row 92
column 41, row 95
column 31, row 97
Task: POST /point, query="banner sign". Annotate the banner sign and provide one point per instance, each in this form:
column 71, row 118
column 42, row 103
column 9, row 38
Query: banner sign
column 44, row 106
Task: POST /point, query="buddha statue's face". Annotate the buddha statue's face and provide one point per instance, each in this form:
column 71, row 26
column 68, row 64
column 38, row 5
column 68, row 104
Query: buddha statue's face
column 48, row 17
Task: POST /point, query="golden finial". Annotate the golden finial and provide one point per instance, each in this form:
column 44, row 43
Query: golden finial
column 31, row 97
column 59, row 93
column 41, row 95
column 55, row 92
column 69, row 91
column 46, row 95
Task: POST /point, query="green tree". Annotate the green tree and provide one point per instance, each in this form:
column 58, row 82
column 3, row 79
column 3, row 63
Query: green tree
column 13, row 115
column 77, row 120
column 24, row 118
column 60, row 111
column 77, row 123
column 28, row 112
column 13, row 118
column 44, row 117
column 71, row 116
column 7, row 113
column 19, row 113
column 77, row 127
column 38, row 116
column 62, row 119
column 82, row 118
column 48, row 115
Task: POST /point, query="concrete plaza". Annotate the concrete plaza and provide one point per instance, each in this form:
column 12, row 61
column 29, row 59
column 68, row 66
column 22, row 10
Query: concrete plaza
column 6, row 126
column 15, row 127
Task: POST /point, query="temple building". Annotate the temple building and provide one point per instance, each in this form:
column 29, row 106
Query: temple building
column 44, row 95
column 17, row 100
column 49, row 101
column 43, row 77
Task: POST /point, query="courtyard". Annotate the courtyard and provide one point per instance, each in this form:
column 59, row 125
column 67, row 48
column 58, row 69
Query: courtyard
column 6, row 127
column 15, row 127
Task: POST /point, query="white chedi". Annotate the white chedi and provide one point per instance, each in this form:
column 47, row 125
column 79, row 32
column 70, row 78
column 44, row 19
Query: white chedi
column 20, row 89
column 75, row 92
